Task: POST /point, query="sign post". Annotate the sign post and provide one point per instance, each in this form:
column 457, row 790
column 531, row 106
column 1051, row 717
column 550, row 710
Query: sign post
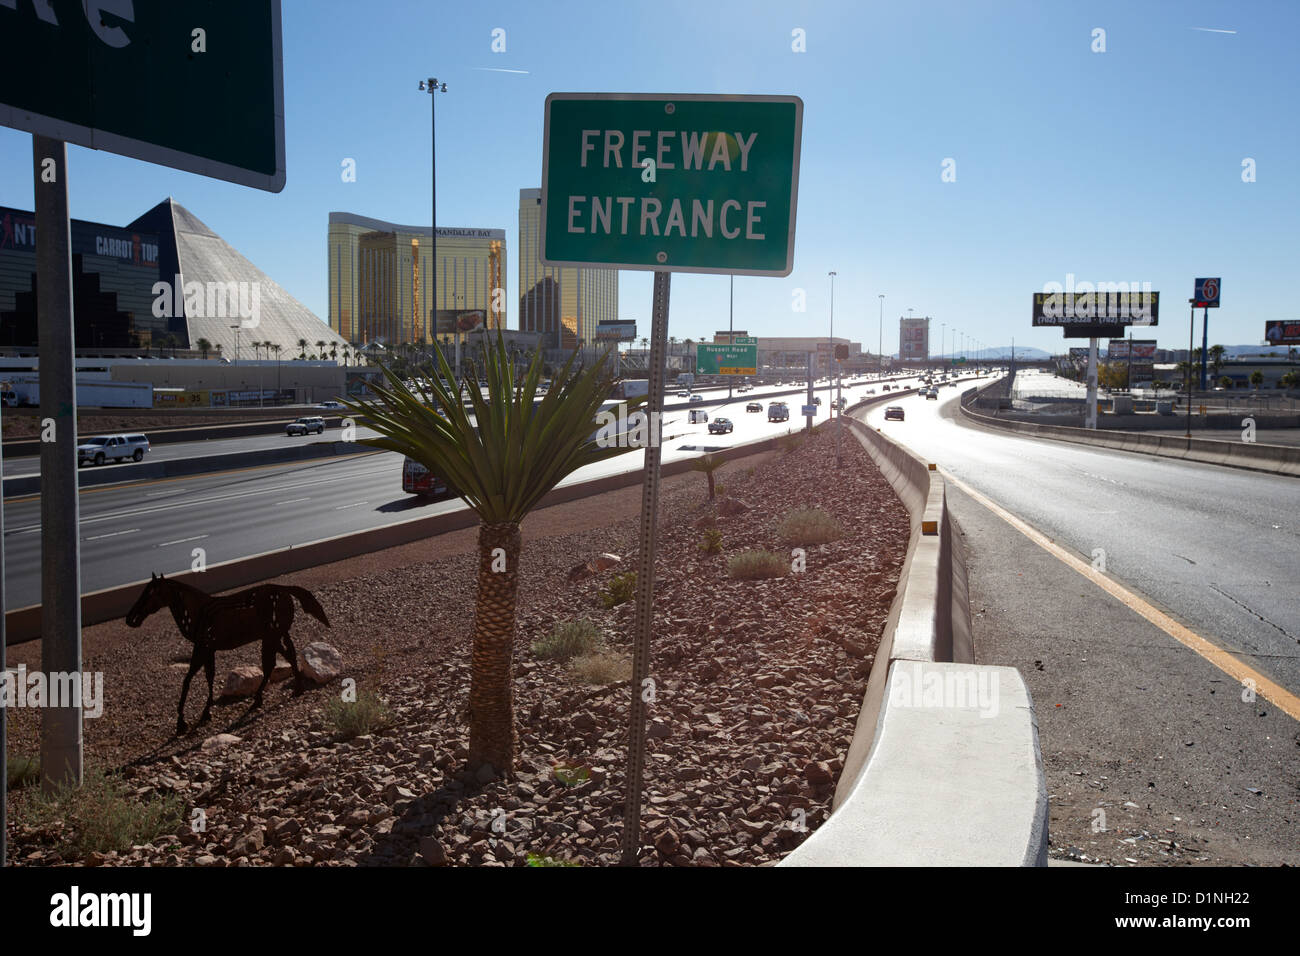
column 122, row 81
column 1206, row 298
column 668, row 183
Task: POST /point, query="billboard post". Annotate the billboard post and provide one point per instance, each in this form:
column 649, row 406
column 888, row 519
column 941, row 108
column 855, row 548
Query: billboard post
column 1091, row 421
column 1206, row 298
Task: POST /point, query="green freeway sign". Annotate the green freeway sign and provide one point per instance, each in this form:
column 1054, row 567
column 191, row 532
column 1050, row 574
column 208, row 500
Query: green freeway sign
column 682, row 183
column 745, row 340
column 726, row 359
column 192, row 84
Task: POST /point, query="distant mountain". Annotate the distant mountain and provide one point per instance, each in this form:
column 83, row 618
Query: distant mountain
column 1238, row 351
column 997, row 354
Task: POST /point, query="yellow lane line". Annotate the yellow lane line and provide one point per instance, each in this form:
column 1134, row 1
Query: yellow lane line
column 146, row 482
column 1223, row 660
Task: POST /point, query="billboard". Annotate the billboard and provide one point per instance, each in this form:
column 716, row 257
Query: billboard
column 449, row 321
column 914, row 339
column 1095, row 314
column 619, row 331
column 1282, row 333
column 1142, row 361
column 1116, row 350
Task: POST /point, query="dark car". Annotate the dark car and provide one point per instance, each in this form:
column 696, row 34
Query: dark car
column 778, row 412
column 720, row 426
column 894, row 411
column 931, row 393
column 754, row 407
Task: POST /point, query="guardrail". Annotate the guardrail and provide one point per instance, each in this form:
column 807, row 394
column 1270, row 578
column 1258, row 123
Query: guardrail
column 1254, row 456
column 945, row 766
column 111, row 603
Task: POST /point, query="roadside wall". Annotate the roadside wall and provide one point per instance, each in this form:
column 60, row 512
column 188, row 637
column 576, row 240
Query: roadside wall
column 944, row 767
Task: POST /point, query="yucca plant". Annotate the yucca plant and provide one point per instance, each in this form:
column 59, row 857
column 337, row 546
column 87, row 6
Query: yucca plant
column 502, row 462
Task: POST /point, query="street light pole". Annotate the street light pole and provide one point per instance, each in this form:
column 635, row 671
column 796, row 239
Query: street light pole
column 432, row 86
column 880, row 339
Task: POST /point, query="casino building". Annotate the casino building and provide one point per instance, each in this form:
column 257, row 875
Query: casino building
column 165, row 280
column 565, row 304
column 381, row 286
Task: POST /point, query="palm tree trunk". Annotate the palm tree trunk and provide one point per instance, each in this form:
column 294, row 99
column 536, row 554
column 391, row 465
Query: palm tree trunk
column 491, row 694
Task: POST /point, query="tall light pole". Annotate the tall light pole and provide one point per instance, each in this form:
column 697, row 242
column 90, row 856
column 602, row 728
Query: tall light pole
column 880, row 339
column 731, row 327
column 432, row 86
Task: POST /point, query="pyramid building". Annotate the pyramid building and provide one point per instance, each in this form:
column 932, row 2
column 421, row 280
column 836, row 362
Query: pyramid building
column 234, row 292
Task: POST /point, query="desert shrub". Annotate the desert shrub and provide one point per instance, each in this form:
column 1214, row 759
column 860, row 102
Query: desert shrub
column 620, row 590
column 21, row 771
column 602, row 667
column 752, row 565
column 103, row 814
column 535, row 859
column 356, row 718
column 808, row 526
column 712, row 541
column 568, row 639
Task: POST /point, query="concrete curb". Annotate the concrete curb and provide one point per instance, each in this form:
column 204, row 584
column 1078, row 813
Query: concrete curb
column 1253, row 456
column 945, row 767
column 23, row 624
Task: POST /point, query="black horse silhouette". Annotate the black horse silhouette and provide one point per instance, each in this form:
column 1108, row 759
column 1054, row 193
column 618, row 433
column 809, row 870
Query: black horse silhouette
column 214, row 624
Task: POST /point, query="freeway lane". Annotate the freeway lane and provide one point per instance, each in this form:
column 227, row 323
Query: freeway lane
column 1217, row 548
column 130, row 530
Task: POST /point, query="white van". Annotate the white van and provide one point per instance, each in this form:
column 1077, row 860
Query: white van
column 698, row 415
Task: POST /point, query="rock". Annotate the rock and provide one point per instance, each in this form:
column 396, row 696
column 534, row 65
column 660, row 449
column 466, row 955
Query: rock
column 485, row 773
column 432, row 852
column 220, row 740
column 659, row 730
column 603, row 562
column 282, row 672
column 320, row 662
column 730, row 507
column 579, row 573
column 95, row 858
column 667, row 842
column 248, row 844
column 242, row 681
column 818, row 773
column 285, row 856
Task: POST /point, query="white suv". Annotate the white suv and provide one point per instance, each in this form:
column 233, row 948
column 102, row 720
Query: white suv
column 100, row 449
column 305, row 426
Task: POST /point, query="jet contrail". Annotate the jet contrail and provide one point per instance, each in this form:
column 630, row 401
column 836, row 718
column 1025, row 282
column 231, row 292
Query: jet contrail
column 1212, row 30
column 495, row 69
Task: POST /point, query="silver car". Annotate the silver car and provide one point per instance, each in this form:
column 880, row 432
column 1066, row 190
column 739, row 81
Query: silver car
column 102, row 448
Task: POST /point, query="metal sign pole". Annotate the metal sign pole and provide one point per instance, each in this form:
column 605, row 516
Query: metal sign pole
column 60, row 536
column 4, row 711
column 645, row 578
column 1191, row 337
column 1091, row 421
column 809, row 418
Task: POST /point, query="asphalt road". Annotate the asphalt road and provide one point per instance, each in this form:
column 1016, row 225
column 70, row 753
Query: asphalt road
column 131, row 529
column 1217, row 548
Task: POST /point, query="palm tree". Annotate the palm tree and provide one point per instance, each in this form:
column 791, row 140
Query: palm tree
column 520, row 448
column 1216, row 357
column 1257, row 379
column 302, row 348
column 320, row 348
column 334, row 351
column 707, row 464
column 204, row 347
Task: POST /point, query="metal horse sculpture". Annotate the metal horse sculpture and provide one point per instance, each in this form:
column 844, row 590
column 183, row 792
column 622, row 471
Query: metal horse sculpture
column 214, row 624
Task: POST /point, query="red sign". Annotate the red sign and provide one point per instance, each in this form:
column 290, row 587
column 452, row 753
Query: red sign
column 1282, row 333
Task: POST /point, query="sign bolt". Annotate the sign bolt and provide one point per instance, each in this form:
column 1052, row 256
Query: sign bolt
column 661, row 256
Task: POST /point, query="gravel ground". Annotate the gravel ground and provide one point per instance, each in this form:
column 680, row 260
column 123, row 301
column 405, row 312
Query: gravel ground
column 758, row 684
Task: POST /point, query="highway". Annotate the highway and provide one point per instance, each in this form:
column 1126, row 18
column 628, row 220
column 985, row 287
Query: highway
column 131, row 529
column 1217, row 548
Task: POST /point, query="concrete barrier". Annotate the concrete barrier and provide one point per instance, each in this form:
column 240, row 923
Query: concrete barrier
column 109, row 604
column 1253, row 456
column 91, row 476
column 945, row 766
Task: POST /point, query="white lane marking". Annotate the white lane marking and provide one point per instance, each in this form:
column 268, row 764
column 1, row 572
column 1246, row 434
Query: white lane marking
column 163, row 544
column 111, row 534
column 292, row 501
column 191, row 502
column 355, row 504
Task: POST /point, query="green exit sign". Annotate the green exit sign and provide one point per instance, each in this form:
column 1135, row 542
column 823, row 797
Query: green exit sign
column 726, row 359
column 192, row 84
column 679, row 183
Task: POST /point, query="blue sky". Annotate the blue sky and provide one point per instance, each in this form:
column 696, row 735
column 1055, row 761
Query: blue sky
column 1117, row 166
